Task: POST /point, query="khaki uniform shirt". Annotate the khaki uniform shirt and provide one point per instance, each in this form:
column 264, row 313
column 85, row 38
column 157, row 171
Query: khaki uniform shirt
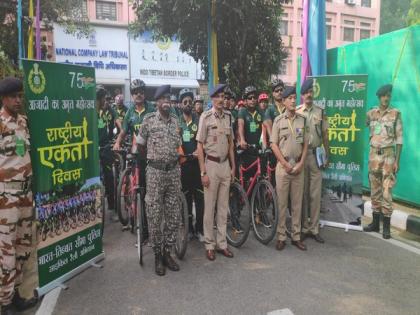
column 316, row 123
column 290, row 135
column 214, row 132
column 385, row 128
column 15, row 161
column 161, row 137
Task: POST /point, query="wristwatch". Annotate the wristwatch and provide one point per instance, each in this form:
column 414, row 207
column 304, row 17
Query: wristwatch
column 203, row 174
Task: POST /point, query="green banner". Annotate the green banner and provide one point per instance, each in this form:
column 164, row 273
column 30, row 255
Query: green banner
column 344, row 100
column 61, row 109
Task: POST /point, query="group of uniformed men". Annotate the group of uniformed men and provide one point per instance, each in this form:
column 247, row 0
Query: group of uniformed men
column 207, row 141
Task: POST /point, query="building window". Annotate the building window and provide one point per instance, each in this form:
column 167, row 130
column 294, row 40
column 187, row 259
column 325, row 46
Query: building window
column 348, row 34
column 283, row 68
column 84, row 9
column 106, row 10
column 348, row 22
column 364, row 34
column 284, row 25
column 366, row 3
column 328, row 32
column 365, row 24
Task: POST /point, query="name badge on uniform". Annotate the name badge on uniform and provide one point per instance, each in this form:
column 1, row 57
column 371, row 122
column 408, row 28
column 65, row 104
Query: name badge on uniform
column 378, row 128
column 20, row 147
column 253, row 127
column 186, row 136
column 101, row 123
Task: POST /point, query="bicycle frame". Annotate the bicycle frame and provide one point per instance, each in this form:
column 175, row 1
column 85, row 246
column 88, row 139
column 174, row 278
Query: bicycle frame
column 242, row 170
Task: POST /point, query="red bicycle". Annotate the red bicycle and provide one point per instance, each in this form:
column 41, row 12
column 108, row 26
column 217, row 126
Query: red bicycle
column 258, row 187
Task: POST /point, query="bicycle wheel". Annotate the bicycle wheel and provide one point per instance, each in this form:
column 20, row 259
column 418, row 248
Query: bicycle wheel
column 182, row 235
column 239, row 216
column 123, row 197
column 265, row 214
column 139, row 227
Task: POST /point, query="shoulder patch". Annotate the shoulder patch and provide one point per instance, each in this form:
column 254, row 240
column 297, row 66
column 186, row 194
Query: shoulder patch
column 149, row 115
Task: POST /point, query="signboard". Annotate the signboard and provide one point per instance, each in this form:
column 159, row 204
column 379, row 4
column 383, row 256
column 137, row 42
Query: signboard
column 110, row 58
column 344, row 100
column 161, row 59
column 61, row 108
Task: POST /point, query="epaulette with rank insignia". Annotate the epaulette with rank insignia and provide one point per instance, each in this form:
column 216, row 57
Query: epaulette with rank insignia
column 207, row 113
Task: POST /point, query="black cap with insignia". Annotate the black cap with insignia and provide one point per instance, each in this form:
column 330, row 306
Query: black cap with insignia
column 289, row 90
column 10, row 85
column 385, row 89
column 217, row 89
column 307, row 84
column 162, row 91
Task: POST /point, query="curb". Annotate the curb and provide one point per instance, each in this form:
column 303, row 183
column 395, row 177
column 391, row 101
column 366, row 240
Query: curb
column 399, row 219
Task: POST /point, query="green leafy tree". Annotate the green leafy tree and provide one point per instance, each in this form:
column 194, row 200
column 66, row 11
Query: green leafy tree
column 393, row 15
column 249, row 43
column 414, row 13
column 67, row 13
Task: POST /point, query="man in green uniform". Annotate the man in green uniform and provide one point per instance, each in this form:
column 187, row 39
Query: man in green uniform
column 16, row 210
column 273, row 110
column 190, row 170
column 106, row 125
column 386, row 139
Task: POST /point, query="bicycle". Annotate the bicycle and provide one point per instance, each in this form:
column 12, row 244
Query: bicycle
column 262, row 194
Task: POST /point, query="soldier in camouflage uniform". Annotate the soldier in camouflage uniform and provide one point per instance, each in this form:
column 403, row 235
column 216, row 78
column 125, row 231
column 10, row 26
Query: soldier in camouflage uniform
column 160, row 134
column 16, row 211
column 386, row 138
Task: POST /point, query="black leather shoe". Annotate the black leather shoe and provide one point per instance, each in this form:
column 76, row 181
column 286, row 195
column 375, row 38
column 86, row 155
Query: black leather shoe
column 22, row 304
column 159, row 266
column 169, row 262
column 318, row 238
column 7, row 310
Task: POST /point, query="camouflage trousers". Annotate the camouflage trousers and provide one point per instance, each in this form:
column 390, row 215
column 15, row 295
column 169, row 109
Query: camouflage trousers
column 16, row 216
column 382, row 179
column 163, row 206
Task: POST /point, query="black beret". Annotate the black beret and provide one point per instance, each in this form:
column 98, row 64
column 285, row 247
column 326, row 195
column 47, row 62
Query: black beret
column 385, row 89
column 307, row 84
column 162, row 90
column 289, row 90
column 10, row 85
column 217, row 89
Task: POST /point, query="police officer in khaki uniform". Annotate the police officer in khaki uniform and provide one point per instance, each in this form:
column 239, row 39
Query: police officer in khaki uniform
column 386, row 139
column 318, row 135
column 16, row 211
column 215, row 151
column 290, row 145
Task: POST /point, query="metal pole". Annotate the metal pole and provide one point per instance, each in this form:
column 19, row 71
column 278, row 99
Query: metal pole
column 19, row 27
column 129, row 44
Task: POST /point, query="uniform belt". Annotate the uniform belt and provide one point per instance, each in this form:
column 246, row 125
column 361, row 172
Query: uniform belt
column 296, row 160
column 23, row 186
column 380, row 151
column 216, row 159
column 162, row 166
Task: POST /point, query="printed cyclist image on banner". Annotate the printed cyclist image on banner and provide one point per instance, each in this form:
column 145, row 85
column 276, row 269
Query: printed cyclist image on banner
column 344, row 101
column 61, row 109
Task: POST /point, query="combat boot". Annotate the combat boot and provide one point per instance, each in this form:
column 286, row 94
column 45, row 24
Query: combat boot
column 374, row 225
column 386, row 232
column 22, row 304
column 169, row 262
column 159, row 266
column 7, row 310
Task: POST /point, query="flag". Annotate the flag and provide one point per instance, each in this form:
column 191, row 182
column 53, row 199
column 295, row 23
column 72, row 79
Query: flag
column 212, row 47
column 314, row 48
column 31, row 31
column 19, row 27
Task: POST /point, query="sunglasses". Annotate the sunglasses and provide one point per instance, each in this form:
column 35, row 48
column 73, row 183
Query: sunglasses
column 227, row 98
column 252, row 97
column 134, row 92
column 186, row 102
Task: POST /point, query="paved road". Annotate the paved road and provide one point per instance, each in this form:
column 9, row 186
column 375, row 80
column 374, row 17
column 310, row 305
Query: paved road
column 352, row 273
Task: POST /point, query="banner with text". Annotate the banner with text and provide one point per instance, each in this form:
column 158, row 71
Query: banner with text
column 344, row 101
column 61, row 108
